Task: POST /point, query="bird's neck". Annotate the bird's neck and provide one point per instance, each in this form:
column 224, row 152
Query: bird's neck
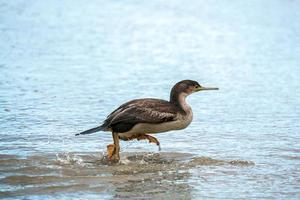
column 180, row 101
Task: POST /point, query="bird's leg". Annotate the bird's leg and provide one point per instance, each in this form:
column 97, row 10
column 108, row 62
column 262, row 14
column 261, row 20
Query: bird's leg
column 113, row 150
column 150, row 139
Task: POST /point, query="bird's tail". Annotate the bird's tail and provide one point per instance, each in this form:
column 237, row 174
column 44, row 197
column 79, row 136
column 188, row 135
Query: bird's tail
column 92, row 130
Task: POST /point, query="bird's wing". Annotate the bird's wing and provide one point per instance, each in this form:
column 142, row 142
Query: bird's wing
column 142, row 111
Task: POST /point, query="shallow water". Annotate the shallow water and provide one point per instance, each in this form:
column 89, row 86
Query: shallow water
column 137, row 175
column 65, row 65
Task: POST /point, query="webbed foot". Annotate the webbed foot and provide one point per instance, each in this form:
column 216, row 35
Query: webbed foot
column 112, row 154
column 150, row 138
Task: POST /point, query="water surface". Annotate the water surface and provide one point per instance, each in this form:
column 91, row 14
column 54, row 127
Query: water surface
column 65, row 65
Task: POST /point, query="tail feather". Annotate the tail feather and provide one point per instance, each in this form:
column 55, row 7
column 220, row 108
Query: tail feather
column 92, row 130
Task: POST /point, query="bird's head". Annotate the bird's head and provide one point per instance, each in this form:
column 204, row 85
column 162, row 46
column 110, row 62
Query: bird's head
column 187, row 87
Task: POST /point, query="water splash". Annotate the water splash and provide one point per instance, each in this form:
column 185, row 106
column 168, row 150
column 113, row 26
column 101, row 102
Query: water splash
column 69, row 159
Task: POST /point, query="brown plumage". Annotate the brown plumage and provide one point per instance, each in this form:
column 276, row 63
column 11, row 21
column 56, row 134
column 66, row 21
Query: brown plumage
column 140, row 111
column 136, row 118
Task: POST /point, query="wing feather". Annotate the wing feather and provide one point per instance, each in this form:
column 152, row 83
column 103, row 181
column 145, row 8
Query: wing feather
column 142, row 111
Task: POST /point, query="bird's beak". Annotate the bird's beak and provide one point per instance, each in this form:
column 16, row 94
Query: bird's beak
column 206, row 88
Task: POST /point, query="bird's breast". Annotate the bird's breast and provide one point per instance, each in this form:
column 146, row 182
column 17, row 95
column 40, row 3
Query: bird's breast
column 184, row 120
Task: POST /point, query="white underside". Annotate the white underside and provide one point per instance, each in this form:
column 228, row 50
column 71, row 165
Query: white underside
column 144, row 128
column 181, row 122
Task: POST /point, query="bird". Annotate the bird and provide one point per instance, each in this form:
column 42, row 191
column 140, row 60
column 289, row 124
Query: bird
column 138, row 118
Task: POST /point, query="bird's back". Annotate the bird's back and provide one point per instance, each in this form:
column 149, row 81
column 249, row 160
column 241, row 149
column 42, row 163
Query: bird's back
column 146, row 110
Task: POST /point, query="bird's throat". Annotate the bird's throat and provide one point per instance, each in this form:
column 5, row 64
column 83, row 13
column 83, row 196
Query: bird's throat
column 180, row 101
column 183, row 104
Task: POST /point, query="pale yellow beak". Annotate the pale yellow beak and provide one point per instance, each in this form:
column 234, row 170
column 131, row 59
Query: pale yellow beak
column 206, row 88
